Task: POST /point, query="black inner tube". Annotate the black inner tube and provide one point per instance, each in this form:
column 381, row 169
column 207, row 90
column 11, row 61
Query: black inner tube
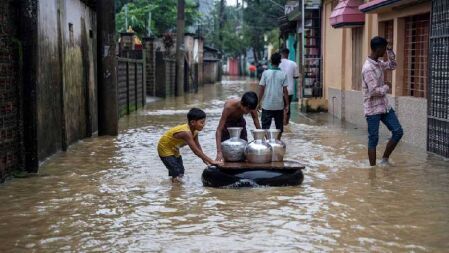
column 215, row 177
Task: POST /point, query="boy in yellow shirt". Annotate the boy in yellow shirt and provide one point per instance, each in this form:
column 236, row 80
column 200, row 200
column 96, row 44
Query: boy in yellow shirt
column 177, row 137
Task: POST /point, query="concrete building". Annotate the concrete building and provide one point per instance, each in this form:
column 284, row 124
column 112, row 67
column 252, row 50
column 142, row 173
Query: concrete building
column 345, row 42
column 300, row 31
column 52, row 95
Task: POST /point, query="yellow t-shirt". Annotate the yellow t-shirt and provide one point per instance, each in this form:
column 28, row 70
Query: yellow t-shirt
column 169, row 145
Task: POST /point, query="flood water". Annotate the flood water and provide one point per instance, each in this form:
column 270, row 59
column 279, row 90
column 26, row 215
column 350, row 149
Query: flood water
column 113, row 194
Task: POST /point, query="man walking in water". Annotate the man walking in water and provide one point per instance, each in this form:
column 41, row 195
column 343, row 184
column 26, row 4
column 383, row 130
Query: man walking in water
column 375, row 101
column 291, row 69
column 273, row 95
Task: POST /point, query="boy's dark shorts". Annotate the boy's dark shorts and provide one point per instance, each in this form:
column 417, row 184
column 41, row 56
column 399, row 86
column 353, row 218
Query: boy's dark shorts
column 277, row 115
column 174, row 165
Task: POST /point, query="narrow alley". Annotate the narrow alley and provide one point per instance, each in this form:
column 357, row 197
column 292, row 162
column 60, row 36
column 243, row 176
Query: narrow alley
column 112, row 194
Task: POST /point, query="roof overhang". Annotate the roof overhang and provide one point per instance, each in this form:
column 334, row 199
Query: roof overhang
column 378, row 6
column 347, row 14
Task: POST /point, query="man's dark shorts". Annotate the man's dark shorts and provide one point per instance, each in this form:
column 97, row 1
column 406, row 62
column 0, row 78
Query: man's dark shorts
column 236, row 123
column 277, row 115
column 174, row 165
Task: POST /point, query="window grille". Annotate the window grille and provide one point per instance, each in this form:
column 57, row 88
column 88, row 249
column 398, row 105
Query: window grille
column 438, row 99
column 416, row 51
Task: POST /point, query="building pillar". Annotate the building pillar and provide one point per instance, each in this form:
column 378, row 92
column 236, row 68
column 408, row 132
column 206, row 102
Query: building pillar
column 398, row 48
column 342, row 74
column 28, row 37
column 150, row 68
column 107, row 69
column 180, row 48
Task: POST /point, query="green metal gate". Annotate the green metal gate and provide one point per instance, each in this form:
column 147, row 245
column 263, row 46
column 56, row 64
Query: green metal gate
column 438, row 99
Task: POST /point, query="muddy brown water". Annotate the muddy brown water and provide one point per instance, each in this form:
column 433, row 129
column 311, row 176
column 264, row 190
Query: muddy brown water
column 112, row 194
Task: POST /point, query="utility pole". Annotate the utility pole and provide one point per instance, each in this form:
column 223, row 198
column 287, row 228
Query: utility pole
column 107, row 69
column 180, row 49
column 221, row 22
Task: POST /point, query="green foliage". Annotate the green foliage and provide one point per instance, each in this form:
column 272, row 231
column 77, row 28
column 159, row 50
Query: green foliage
column 261, row 17
column 245, row 28
column 119, row 4
column 231, row 39
column 273, row 38
column 163, row 13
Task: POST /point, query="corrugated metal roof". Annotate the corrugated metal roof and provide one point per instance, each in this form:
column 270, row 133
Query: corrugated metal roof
column 347, row 14
column 378, row 5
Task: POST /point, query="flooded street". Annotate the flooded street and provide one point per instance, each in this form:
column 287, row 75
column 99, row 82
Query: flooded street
column 114, row 195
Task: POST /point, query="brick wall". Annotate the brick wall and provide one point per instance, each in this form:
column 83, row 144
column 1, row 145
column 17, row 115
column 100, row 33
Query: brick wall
column 165, row 76
column 10, row 133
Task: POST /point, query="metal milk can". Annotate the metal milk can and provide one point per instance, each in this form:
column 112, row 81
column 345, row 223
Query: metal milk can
column 258, row 151
column 276, row 144
column 233, row 149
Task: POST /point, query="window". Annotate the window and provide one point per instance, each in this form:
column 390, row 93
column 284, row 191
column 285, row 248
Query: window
column 416, row 52
column 357, row 60
column 388, row 35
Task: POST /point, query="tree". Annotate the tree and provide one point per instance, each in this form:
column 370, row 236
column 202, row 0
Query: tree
column 119, row 4
column 261, row 17
column 227, row 34
column 163, row 15
column 245, row 26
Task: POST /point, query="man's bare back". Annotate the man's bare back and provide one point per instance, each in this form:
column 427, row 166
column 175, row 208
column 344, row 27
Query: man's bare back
column 233, row 110
column 232, row 116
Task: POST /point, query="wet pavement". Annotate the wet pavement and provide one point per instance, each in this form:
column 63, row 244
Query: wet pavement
column 113, row 194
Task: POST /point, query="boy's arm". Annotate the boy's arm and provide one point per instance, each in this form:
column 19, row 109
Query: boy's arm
column 286, row 105
column 255, row 117
column 261, row 93
column 262, row 84
column 220, row 127
column 197, row 142
column 285, row 92
column 188, row 138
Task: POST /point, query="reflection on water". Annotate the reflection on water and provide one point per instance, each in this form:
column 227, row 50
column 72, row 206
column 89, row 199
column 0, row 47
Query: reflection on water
column 113, row 194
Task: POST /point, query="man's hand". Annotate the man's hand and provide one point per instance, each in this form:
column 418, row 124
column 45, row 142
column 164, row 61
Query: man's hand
column 213, row 162
column 389, row 85
column 219, row 157
column 217, row 163
column 259, row 108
